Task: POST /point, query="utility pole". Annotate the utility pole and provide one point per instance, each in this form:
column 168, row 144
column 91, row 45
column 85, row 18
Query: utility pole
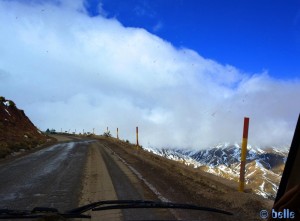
column 118, row 133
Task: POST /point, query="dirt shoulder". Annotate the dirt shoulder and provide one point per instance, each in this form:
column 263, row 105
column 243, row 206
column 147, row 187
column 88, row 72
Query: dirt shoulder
column 108, row 178
column 179, row 183
column 51, row 140
column 23, row 152
column 97, row 185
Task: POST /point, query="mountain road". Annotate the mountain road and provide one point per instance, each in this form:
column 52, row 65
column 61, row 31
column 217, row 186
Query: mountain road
column 79, row 170
column 50, row 177
column 70, row 174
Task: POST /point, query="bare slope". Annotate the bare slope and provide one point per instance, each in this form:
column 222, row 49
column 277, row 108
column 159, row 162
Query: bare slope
column 16, row 130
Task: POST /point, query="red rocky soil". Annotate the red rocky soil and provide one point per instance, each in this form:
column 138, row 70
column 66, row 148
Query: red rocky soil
column 17, row 132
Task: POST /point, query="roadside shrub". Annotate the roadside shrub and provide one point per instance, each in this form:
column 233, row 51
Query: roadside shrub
column 4, row 150
column 2, row 99
column 107, row 134
column 11, row 103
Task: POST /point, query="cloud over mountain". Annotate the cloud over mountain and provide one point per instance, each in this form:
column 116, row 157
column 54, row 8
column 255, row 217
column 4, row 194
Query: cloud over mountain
column 72, row 71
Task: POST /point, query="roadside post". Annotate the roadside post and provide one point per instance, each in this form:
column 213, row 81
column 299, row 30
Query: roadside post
column 137, row 136
column 117, row 133
column 243, row 155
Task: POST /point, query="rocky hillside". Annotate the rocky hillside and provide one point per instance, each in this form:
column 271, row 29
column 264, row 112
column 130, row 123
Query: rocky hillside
column 263, row 169
column 17, row 132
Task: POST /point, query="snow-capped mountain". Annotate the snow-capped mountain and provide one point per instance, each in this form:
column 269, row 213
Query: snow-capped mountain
column 264, row 167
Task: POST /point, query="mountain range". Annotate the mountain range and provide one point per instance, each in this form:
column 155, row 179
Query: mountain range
column 264, row 166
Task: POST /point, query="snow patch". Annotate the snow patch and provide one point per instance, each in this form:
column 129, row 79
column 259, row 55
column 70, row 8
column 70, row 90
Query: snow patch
column 7, row 112
column 260, row 150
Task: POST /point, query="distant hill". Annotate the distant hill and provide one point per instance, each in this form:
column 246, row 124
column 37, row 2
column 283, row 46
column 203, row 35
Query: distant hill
column 17, row 132
column 263, row 169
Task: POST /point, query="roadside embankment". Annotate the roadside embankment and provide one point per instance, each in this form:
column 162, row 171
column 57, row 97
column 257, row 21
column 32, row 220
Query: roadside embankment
column 180, row 183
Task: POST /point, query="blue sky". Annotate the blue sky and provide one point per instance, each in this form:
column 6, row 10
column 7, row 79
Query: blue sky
column 185, row 72
column 251, row 35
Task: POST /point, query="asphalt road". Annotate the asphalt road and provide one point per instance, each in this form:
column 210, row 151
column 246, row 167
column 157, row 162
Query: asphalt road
column 50, row 177
column 61, row 175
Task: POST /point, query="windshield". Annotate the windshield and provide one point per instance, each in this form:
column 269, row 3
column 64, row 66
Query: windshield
column 189, row 102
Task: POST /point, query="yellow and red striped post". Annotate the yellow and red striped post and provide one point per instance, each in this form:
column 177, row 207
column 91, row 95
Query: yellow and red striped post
column 243, row 154
column 117, row 133
column 137, row 136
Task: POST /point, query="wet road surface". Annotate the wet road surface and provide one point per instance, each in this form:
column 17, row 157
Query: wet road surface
column 54, row 177
column 50, row 177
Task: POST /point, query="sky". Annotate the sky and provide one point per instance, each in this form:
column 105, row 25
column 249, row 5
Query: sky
column 266, row 33
column 185, row 72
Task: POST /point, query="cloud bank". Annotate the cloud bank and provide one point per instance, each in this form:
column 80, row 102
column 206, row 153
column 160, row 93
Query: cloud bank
column 68, row 70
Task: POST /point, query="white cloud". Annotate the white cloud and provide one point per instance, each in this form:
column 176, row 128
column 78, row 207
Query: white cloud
column 158, row 26
column 101, row 10
column 71, row 71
